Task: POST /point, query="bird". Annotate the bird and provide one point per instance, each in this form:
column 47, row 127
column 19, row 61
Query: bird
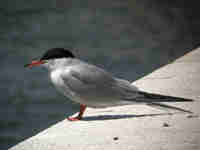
column 92, row 86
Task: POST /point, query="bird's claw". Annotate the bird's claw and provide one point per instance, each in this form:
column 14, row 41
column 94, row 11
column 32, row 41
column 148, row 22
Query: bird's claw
column 74, row 118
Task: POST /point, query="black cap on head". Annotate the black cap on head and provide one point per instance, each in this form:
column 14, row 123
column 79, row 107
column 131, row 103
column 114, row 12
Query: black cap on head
column 57, row 53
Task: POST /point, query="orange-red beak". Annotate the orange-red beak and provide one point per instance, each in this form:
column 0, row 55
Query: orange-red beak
column 35, row 63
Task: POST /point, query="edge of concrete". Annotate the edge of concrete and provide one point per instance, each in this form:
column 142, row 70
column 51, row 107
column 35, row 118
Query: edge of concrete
column 135, row 126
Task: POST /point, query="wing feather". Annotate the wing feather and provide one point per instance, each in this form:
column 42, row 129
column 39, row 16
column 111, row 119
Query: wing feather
column 96, row 85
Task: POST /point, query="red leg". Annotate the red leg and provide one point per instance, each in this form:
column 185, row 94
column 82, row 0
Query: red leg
column 80, row 115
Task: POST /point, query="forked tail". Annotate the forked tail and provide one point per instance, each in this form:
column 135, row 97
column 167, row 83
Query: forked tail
column 154, row 100
column 150, row 97
column 167, row 107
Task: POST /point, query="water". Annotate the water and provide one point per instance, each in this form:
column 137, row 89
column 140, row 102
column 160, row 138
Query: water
column 130, row 39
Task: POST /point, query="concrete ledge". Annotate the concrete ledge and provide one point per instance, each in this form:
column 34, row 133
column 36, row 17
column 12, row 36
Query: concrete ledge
column 135, row 127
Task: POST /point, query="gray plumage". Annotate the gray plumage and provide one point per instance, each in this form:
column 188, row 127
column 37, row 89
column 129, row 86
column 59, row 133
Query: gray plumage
column 90, row 85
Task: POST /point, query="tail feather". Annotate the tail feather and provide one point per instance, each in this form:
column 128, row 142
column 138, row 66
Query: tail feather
column 150, row 97
column 155, row 100
column 167, row 107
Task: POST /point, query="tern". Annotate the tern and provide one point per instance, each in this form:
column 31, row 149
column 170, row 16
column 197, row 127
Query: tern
column 91, row 86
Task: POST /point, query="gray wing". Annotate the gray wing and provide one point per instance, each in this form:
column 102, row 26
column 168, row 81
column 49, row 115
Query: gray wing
column 97, row 86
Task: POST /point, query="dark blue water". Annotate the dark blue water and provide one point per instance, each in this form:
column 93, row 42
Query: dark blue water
column 128, row 38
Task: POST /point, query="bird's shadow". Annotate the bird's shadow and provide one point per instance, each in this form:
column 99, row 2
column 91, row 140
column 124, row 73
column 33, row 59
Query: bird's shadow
column 115, row 117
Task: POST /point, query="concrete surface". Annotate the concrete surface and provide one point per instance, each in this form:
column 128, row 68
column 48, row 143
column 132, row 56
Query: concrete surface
column 135, row 127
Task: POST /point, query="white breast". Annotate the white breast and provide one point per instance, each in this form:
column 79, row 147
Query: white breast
column 58, row 82
column 56, row 78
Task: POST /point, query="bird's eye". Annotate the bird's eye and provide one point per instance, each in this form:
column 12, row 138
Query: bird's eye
column 45, row 61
